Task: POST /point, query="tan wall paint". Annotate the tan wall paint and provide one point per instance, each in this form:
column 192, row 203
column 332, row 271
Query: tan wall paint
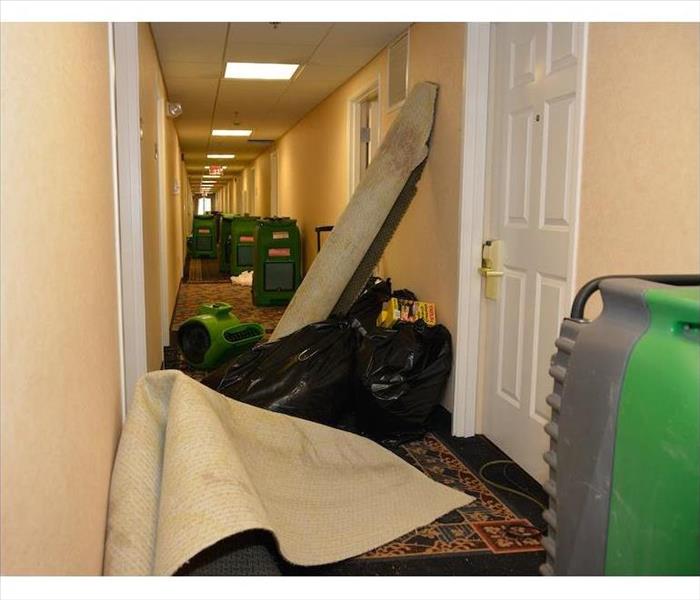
column 313, row 159
column 152, row 87
column 60, row 412
column 639, row 193
column 174, row 210
column 187, row 206
column 262, row 185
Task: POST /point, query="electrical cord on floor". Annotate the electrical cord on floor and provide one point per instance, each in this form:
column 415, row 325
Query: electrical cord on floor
column 506, row 488
column 514, row 530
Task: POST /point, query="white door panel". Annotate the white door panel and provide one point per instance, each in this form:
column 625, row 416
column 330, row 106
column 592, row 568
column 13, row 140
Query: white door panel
column 532, row 205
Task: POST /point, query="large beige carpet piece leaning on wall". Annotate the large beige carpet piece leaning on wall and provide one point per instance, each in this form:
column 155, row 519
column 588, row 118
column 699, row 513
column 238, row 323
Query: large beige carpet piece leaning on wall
column 403, row 150
column 194, row 467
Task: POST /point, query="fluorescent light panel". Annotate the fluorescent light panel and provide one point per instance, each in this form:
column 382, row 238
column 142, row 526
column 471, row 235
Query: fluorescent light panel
column 221, row 156
column 231, row 132
column 242, row 70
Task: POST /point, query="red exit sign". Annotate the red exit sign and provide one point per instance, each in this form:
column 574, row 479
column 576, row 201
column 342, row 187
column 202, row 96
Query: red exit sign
column 216, row 170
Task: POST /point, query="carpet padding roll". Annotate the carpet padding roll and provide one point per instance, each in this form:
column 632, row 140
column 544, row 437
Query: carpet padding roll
column 194, row 467
column 362, row 232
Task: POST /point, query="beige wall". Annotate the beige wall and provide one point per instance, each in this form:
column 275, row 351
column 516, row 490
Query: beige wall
column 313, row 159
column 639, row 194
column 262, row 185
column 174, row 213
column 314, row 169
column 187, row 207
column 152, row 87
column 60, row 386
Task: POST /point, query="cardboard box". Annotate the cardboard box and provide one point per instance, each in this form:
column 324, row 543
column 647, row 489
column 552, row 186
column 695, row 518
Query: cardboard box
column 398, row 309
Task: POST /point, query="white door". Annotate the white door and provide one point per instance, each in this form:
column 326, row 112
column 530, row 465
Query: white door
column 532, row 207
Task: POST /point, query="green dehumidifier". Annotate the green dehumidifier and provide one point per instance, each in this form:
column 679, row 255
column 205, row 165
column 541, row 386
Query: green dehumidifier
column 215, row 335
column 203, row 243
column 225, row 244
column 277, row 261
column 624, row 481
column 242, row 243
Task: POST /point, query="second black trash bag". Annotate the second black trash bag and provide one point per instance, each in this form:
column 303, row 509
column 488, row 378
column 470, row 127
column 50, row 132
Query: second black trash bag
column 307, row 374
column 401, row 376
column 369, row 304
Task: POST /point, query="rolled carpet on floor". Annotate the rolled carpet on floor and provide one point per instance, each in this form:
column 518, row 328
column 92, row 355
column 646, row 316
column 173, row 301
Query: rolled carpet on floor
column 194, row 467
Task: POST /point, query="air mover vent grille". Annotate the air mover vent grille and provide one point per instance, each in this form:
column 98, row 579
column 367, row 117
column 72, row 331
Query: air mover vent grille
column 194, row 341
column 203, row 242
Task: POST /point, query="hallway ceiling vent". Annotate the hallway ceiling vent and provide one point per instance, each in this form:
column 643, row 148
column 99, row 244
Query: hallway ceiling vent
column 259, row 141
column 398, row 71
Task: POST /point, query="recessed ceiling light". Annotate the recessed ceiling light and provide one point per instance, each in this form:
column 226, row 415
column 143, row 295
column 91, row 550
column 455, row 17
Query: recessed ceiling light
column 211, row 176
column 242, row 70
column 221, row 156
column 231, row 132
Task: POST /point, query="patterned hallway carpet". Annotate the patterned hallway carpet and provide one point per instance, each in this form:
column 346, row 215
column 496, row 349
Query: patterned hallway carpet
column 203, row 270
column 485, row 525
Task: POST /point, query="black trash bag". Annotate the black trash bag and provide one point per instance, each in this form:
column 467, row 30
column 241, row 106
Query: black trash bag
column 368, row 306
column 306, row 374
column 404, row 294
column 401, row 376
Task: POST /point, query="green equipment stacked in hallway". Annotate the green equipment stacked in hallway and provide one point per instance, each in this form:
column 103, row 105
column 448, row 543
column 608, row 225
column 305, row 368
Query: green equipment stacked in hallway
column 242, row 243
column 215, row 335
column 277, row 261
column 624, row 481
column 225, row 244
column 203, row 244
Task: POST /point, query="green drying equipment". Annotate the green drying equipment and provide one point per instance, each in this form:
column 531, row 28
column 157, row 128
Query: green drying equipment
column 225, row 244
column 215, row 335
column 277, row 261
column 624, row 482
column 203, row 244
column 242, row 243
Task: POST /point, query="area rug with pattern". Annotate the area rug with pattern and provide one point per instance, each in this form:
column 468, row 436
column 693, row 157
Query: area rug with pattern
column 485, row 525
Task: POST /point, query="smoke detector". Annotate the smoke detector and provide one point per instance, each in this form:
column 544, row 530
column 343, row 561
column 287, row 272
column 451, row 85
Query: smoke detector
column 174, row 109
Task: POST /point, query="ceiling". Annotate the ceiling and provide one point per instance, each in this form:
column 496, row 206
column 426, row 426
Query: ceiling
column 193, row 57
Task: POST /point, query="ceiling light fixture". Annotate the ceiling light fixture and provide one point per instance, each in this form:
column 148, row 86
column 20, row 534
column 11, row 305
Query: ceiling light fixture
column 221, row 156
column 231, row 132
column 243, row 70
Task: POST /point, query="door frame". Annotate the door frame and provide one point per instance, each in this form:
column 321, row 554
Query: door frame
column 474, row 198
column 471, row 224
column 354, row 119
column 127, row 158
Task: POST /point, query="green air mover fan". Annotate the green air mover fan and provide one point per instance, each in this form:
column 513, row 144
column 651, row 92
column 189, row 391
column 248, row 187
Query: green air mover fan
column 203, row 237
column 277, row 262
column 624, row 481
column 242, row 243
column 214, row 335
column 225, row 244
